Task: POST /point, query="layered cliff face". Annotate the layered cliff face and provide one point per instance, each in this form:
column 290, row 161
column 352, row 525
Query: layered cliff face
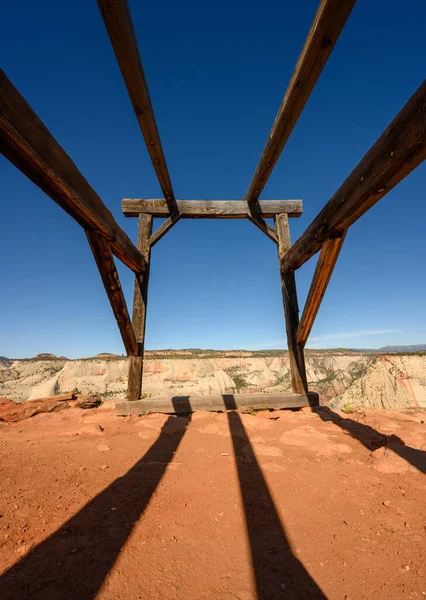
column 345, row 380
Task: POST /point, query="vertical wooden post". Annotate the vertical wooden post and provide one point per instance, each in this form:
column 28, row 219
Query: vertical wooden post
column 291, row 309
column 140, row 299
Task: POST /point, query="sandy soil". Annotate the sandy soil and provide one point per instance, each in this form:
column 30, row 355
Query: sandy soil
column 291, row 505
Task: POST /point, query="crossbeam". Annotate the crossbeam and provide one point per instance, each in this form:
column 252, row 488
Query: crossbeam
column 328, row 23
column 118, row 22
column 398, row 151
column 210, row 209
column 29, row 145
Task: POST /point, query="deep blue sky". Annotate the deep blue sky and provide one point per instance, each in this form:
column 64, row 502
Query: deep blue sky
column 217, row 73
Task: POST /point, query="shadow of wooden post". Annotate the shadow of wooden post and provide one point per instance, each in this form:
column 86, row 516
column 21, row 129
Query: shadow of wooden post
column 277, row 572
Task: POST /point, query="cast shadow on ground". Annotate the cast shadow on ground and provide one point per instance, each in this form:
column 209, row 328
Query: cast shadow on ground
column 74, row 561
column 277, row 572
column 373, row 439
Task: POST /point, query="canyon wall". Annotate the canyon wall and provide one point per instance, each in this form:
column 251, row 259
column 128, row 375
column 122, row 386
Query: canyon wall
column 343, row 380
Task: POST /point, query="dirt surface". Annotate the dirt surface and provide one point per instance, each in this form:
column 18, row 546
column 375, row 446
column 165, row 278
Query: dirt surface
column 278, row 505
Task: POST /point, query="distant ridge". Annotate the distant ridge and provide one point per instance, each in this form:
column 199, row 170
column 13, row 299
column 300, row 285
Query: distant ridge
column 241, row 353
column 415, row 348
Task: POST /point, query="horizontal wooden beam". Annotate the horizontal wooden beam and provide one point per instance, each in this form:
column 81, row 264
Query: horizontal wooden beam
column 110, row 279
column 186, row 404
column 324, row 269
column 211, row 209
column 397, row 152
column 328, row 23
column 118, row 22
column 28, row 144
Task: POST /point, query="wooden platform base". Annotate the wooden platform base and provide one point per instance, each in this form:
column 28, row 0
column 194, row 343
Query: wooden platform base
column 187, row 404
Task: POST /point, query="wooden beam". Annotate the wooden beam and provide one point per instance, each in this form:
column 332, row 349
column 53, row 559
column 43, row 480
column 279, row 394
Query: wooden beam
column 161, row 231
column 110, row 279
column 28, row 144
column 211, row 209
column 324, row 269
column 255, row 217
column 291, row 310
column 118, row 22
column 328, row 23
column 186, row 404
column 399, row 150
column 140, row 300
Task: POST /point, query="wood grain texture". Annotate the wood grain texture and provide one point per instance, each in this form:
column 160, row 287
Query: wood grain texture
column 399, row 150
column 327, row 25
column 161, row 231
column 118, row 22
column 186, row 404
column 59, row 398
column 256, row 218
column 324, row 269
column 28, row 144
column 291, row 311
column 140, row 301
column 110, row 279
column 210, row 209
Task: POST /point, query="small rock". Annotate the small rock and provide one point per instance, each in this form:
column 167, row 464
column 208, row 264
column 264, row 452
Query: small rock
column 89, row 402
column 386, row 503
column 224, row 453
column 103, row 448
column 104, row 467
column 113, row 508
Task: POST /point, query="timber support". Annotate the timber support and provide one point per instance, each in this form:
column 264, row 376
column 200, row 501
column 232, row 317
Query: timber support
column 291, row 310
column 140, row 300
column 28, row 144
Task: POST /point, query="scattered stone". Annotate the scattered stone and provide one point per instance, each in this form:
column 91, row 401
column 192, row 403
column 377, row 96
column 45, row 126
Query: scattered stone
column 224, row 453
column 103, row 448
column 386, row 461
column 86, row 402
column 386, row 503
column 103, row 467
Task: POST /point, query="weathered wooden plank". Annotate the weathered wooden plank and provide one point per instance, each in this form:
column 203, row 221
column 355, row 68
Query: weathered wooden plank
column 59, row 398
column 161, row 231
column 211, row 209
column 255, row 217
column 28, row 144
column 399, row 150
column 110, row 279
column 324, row 269
column 291, row 310
column 140, row 300
column 185, row 404
column 328, row 23
column 118, row 22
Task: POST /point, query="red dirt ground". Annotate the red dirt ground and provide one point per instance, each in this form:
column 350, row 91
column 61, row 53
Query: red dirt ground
column 282, row 505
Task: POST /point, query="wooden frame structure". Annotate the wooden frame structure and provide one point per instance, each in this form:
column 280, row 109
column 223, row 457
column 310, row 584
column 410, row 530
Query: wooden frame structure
column 27, row 143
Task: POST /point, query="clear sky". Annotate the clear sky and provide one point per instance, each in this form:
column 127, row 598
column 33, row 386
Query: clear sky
column 217, row 72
